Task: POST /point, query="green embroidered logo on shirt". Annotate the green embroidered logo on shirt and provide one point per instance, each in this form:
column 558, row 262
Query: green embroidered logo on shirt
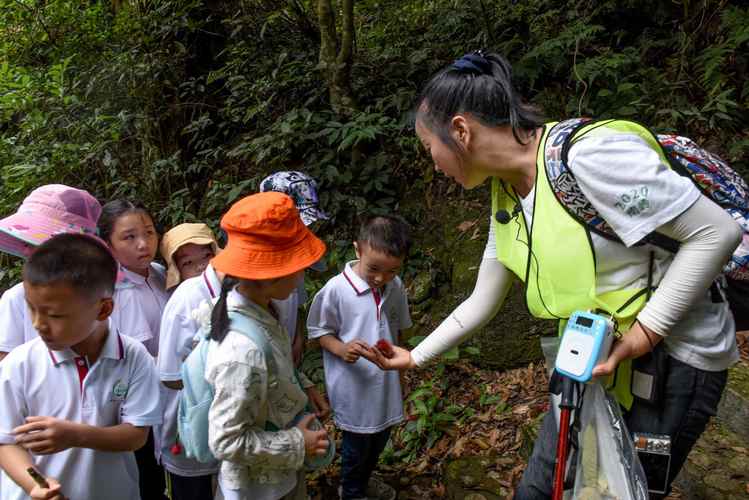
column 634, row 201
column 119, row 391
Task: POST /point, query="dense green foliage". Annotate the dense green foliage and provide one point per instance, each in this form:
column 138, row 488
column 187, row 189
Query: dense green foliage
column 186, row 104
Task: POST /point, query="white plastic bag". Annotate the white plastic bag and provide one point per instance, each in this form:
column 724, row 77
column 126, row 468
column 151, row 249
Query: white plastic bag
column 607, row 463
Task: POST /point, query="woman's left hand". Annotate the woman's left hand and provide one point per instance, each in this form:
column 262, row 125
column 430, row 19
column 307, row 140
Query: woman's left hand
column 633, row 344
column 319, row 403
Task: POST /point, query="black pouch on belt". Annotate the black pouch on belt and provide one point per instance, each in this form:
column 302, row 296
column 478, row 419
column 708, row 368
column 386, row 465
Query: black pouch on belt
column 649, row 375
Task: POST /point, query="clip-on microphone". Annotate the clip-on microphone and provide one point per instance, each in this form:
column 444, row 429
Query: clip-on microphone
column 503, row 217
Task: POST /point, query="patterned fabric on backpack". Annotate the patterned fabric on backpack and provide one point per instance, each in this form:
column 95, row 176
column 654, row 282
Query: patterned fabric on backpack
column 713, row 177
column 720, row 183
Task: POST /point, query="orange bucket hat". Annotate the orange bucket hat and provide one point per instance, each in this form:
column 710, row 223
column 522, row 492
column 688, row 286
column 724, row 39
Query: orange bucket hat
column 267, row 239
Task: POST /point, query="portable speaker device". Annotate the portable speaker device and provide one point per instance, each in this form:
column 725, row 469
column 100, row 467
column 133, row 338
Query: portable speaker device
column 586, row 342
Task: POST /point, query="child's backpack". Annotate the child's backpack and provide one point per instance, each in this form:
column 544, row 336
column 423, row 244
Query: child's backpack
column 711, row 175
column 197, row 394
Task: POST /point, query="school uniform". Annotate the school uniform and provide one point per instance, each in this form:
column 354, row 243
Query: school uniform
column 15, row 319
column 348, row 308
column 142, row 301
column 288, row 310
column 188, row 478
column 118, row 388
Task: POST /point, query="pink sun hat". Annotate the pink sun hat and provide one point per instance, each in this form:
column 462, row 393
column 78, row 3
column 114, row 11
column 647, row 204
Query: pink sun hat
column 48, row 210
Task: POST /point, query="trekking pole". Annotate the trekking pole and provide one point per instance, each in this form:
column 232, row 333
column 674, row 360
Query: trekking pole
column 566, row 405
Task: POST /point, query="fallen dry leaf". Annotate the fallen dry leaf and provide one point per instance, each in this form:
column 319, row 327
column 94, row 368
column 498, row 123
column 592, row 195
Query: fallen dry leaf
column 493, row 437
column 466, row 225
column 521, row 410
column 481, row 443
column 459, row 446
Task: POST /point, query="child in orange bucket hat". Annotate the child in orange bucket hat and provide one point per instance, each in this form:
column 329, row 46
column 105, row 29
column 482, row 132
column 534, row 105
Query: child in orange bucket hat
column 268, row 249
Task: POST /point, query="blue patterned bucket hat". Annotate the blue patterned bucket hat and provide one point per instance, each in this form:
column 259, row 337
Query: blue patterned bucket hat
column 301, row 188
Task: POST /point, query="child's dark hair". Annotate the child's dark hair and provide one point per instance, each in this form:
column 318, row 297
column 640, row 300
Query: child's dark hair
column 219, row 314
column 76, row 260
column 389, row 234
column 479, row 84
column 112, row 211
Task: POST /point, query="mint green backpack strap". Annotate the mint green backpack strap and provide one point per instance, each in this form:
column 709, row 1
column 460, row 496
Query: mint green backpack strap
column 241, row 323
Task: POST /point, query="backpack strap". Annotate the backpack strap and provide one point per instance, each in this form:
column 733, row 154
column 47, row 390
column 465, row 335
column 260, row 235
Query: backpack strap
column 567, row 191
column 247, row 327
column 244, row 325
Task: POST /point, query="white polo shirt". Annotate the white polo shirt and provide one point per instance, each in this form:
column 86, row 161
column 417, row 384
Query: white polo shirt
column 178, row 328
column 364, row 398
column 15, row 320
column 288, row 309
column 141, row 302
column 120, row 387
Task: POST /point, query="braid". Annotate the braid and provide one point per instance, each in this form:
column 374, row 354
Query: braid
column 220, row 314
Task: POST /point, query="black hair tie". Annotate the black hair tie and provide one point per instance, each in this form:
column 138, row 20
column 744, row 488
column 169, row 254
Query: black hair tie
column 474, row 63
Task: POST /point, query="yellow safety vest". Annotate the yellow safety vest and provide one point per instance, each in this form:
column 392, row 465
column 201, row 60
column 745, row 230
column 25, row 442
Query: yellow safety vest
column 560, row 272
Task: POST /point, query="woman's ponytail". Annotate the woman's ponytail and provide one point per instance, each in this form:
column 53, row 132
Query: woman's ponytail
column 220, row 314
column 479, row 84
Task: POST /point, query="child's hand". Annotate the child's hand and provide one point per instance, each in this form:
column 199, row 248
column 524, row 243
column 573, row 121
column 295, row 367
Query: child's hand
column 400, row 359
column 355, row 349
column 319, row 403
column 54, row 492
column 315, row 442
column 46, row 435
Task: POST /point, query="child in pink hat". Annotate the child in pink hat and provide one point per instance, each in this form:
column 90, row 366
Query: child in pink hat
column 48, row 210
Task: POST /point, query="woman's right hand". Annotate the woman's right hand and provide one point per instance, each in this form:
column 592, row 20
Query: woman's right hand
column 54, row 492
column 315, row 441
column 400, row 360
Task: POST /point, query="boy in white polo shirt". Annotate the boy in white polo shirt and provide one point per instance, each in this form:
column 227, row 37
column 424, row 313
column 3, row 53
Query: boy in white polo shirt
column 77, row 400
column 355, row 310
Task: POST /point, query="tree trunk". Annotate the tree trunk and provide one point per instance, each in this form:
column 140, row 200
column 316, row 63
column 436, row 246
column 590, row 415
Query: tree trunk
column 335, row 57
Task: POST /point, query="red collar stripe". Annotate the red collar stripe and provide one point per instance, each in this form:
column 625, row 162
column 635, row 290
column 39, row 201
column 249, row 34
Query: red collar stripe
column 377, row 299
column 121, row 348
column 351, row 283
column 82, row 365
column 208, row 284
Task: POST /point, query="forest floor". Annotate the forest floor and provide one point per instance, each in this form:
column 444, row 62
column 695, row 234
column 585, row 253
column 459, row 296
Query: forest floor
column 502, row 434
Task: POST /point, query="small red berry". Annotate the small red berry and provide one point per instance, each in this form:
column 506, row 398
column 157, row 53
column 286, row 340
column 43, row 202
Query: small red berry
column 385, row 348
column 176, row 449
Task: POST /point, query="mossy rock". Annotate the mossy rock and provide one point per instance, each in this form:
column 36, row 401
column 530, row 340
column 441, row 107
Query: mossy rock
column 717, row 467
column 472, row 477
column 454, row 234
column 734, row 405
column 421, row 288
